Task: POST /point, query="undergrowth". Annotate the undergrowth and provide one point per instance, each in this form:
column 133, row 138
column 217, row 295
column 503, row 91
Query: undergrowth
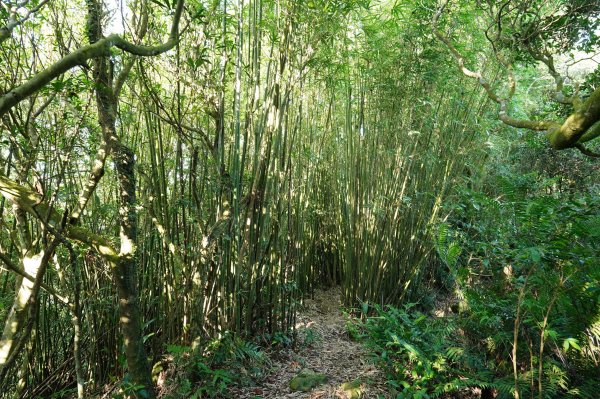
column 210, row 370
column 423, row 357
column 519, row 261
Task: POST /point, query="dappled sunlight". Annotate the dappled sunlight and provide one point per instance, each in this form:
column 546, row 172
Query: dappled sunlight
column 299, row 199
column 326, row 362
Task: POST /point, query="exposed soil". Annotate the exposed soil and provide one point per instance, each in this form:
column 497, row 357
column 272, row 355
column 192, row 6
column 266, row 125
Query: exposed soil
column 324, row 347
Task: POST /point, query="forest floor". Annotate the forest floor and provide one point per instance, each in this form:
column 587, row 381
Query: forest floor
column 324, row 347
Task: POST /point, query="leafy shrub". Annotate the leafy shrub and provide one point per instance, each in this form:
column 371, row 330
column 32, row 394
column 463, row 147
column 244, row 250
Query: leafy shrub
column 421, row 355
column 520, row 257
column 528, row 280
column 209, row 371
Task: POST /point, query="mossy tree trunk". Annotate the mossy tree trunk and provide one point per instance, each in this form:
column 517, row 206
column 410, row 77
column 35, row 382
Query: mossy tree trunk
column 124, row 270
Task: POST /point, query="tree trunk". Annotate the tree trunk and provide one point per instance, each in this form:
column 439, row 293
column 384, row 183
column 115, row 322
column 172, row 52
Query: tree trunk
column 31, row 265
column 124, row 268
column 124, row 273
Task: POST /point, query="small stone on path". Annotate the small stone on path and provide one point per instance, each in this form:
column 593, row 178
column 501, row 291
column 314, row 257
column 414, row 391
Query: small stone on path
column 307, row 380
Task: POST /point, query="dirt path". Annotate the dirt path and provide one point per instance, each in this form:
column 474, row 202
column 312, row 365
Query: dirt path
column 324, row 347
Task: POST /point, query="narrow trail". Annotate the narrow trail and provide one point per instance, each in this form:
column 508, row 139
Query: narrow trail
column 324, row 347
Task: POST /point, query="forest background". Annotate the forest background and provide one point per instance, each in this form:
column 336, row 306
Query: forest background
column 179, row 173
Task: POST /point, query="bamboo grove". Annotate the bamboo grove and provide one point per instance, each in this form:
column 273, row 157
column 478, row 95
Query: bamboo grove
column 208, row 184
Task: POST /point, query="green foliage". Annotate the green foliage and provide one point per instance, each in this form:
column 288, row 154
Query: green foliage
column 519, row 253
column 306, row 380
column 448, row 250
column 421, row 355
column 127, row 389
column 530, row 266
column 310, row 337
column 210, row 371
column 281, row 145
column 278, row 339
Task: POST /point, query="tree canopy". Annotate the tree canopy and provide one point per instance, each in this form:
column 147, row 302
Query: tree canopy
column 525, row 33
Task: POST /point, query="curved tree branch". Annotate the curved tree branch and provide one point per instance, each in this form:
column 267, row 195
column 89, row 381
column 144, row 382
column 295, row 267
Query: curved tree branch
column 492, row 95
column 559, row 80
column 101, row 48
column 11, row 266
column 31, row 203
column 13, row 21
column 586, row 152
column 581, row 126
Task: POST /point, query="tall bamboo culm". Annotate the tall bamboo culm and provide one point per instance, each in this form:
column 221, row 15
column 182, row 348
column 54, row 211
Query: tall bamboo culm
column 280, row 146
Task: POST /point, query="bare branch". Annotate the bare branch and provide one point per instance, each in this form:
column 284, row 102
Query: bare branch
column 171, row 120
column 31, row 203
column 11, row 266
column 559, row 80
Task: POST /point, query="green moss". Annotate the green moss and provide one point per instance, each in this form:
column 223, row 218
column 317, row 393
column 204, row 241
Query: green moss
column 307, row 380
column 353, row 389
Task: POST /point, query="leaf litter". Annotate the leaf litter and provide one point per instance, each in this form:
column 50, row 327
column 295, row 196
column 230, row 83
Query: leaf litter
column 324, row 347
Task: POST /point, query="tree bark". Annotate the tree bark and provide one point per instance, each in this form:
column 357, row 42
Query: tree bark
column 581, row 126
column 124, row 272
column 31, row 265
column 124, row 269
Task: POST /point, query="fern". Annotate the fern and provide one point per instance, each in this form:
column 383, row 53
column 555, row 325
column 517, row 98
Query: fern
column 448, row 251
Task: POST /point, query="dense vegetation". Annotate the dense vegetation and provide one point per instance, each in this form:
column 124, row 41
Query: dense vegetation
column 522, row 319
column 176, row 176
